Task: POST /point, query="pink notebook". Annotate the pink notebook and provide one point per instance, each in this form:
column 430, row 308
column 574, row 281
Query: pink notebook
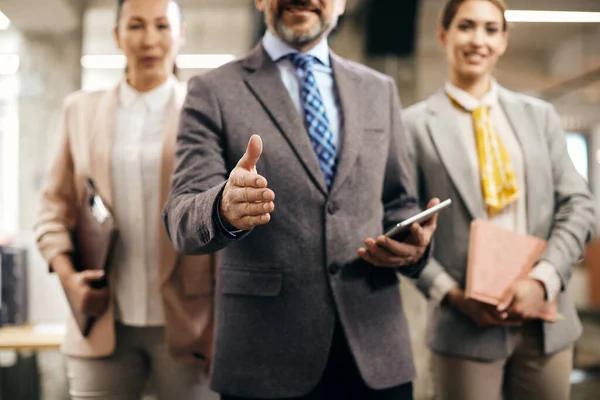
column 497, row 259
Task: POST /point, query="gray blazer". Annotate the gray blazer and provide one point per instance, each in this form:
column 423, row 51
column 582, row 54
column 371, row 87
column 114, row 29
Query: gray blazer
column 281, row 287
column 559, row 209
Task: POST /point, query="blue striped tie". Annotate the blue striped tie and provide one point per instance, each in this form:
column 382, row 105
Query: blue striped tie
column 315, row 116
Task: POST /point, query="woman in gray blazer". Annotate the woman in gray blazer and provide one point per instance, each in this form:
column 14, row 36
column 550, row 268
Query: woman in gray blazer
column 499, row 156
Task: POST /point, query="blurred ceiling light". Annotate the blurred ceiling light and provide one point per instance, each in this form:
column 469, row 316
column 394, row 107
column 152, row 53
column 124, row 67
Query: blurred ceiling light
column 184, row 61
column 551, row 16
column 9, row 64
column 4, row 21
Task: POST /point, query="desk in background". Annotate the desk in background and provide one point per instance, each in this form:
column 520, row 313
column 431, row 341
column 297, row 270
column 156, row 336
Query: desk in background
column 31, row 337
column 19, row 347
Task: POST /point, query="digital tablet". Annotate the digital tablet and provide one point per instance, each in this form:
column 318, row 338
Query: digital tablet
column 402, row 230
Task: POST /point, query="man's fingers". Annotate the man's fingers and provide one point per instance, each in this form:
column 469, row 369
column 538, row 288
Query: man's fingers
column 252, row 154
column 400, row 249
column 431, row 224
column 254, row 209
column 418, row 236
column 368, row 257
column 242, row 178
column 383, row 257
column 251, row 195
column 255, row 220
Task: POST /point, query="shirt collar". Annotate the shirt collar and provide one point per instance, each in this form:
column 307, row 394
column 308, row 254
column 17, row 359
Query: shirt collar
column 277, row 49
column 469, row 102
column 154, row 100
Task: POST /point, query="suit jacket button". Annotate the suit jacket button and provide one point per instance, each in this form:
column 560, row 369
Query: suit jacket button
column 334, row 268
column 332, row 208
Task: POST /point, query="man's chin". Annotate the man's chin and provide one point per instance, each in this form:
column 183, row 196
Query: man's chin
column 299, row 36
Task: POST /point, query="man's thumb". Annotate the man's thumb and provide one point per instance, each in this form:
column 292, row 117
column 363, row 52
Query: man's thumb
column 252, row 154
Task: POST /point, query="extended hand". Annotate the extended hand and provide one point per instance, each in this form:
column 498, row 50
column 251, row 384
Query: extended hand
column 387, row 252
column 246, row 200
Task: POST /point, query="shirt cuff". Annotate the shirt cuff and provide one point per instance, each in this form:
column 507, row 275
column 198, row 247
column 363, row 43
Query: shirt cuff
column 228, row 230
column 547, row 274
column 442, row 284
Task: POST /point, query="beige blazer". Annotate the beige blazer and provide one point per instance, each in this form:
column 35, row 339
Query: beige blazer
column 186, row 282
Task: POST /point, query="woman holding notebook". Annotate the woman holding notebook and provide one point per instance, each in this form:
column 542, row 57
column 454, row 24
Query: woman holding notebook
column 501, row 157
column 154, row 320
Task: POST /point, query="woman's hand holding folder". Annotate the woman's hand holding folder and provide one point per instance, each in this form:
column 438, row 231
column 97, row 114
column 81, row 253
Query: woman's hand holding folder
column 84, row 289
column 482, row 314
column 527, row 300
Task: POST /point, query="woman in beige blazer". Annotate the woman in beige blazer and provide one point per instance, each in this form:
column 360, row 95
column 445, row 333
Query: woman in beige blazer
column 527, row 184
column 155, row 319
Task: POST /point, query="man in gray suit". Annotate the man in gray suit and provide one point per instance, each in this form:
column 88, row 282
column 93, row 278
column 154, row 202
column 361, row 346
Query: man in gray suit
column 307, row 299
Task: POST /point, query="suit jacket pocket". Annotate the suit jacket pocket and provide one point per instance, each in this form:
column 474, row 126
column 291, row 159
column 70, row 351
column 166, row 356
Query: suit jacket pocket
column 262, row 283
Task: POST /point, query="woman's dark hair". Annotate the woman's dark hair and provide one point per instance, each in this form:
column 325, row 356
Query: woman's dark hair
column 451, row 9
column 121, row 2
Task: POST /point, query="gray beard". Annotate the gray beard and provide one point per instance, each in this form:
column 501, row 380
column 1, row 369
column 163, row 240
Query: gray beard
column 301, row 39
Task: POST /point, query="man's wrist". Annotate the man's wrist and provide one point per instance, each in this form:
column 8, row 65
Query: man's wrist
column 225, row 226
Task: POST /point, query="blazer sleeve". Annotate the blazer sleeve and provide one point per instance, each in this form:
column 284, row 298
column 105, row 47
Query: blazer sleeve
column 399, row 196
column 55, row 217
column 574, row 219
column 433, row 281
column 199, row 176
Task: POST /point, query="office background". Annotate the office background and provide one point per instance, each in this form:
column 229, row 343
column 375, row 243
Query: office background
column 49, row 48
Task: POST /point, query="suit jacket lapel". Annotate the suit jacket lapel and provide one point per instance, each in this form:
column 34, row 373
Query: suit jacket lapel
column 522, row 127
column 348, row 85
column 167, row 255
column 100, row 145
column 445, row 134
column 264, row 82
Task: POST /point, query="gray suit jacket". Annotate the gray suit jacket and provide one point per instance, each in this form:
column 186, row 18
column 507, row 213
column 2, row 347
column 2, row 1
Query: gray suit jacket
column 559, row 209
column 281, row 287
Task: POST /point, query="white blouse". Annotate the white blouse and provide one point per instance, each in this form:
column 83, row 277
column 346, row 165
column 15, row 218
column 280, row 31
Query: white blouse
column 136, row 164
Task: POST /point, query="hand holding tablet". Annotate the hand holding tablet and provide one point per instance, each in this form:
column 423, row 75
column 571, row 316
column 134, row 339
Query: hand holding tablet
column 407, row 242
column 401, row 231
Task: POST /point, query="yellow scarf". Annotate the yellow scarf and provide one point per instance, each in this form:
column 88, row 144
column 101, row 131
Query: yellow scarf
column 498, row 181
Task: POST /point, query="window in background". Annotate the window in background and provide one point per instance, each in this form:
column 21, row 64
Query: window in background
column 578, row 151
column 9, row 154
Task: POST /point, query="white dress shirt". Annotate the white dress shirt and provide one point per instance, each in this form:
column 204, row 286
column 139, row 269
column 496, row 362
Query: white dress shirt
column 278, row 50
column 514, row 216
column 136, row 164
